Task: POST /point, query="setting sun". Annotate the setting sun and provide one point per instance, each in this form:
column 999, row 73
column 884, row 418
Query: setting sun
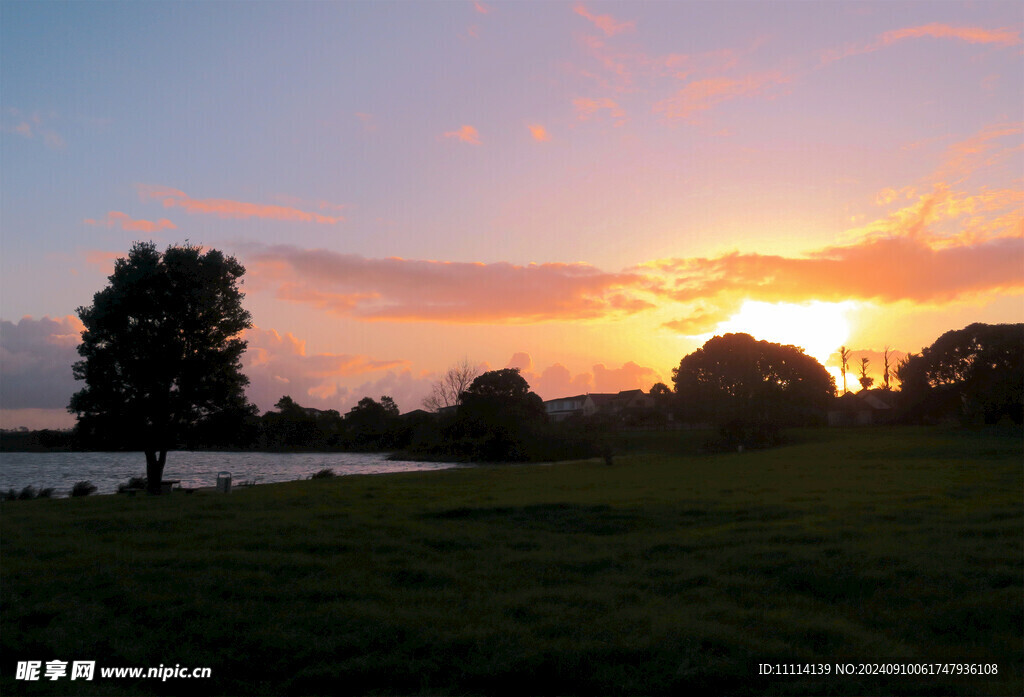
column 817, row 327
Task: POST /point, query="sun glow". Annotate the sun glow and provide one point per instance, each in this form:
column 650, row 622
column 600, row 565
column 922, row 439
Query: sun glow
column 819, row 328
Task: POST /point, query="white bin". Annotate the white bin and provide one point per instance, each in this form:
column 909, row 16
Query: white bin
column 224, row 482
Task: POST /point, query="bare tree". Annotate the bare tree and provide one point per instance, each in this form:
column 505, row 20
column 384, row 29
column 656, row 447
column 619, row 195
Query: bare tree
column 865, row 381
column 887, row 369
column 447, row 392
column 844, row 358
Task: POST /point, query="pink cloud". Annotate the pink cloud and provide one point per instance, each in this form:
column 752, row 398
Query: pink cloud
column 397, row 289
column 117, row 218
column 701, row 95
column 606, row 23
column 482, row 8
column 35, row 362
column 539, row 133
column 467, row 134
column 558, row 381
column 587, row 108
column 278, row 364
column 225, row 208
column 972, row 35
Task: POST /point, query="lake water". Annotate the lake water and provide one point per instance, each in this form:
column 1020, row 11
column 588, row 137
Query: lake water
column 195, row 469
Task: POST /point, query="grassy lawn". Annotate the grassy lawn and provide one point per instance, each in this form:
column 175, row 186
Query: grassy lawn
column 663, row 574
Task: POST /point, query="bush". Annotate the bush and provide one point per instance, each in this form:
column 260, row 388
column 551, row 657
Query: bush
column 27, row 493
column 46, row 493
column 133, row 483
column 83, row 488
column 324, row 474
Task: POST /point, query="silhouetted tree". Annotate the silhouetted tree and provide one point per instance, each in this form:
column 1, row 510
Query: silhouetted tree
column 291, row 426
column 447, row 392
column 844, row 359
column 369, row 423
column 500, row 413
column 864, row 380
column 736, row 378
column 977, row 372
column 887, row 369
column 161, row 348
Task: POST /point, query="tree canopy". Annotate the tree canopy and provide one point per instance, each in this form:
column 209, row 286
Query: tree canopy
column 976, row 372
column 161, row 348
column 738, row 378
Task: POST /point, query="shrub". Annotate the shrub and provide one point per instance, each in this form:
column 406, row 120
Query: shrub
column 83, row 488
column 27, row 493
column 133, row 483
column 46, row 493
column 324, row 474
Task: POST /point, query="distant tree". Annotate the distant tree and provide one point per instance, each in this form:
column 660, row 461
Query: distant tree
column 887, row 369
column 864, row 380
column 844, row 359
column 292, row 426
column 500, row 412
column 447, row 392
column 161, row 349
column 390, row 408
column 976, row 372
column 369, row 423
column 736, row 378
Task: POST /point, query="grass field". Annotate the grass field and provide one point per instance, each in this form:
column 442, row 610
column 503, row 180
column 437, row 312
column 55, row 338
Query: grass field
column 665, row 573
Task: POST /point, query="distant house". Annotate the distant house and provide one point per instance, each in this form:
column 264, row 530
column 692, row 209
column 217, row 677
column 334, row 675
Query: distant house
column 863, row 408
column 564, row 407
column 605, row 404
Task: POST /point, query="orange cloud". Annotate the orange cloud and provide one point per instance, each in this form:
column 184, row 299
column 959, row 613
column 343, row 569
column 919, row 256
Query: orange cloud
column 467, row 134
column 973, row 35
column 587, row 108
column 701, row 95
column 539, row 133
column 279, row 365
column 606, row 23
column 128, row 224
column 885, row 270
column 225, row 208
column 397, row 289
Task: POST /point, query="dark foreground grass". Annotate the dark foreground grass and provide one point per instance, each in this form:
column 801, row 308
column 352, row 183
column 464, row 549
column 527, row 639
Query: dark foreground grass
column 662, row 574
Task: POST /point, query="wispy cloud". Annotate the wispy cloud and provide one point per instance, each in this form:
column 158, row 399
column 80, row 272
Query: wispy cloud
column 32, row 126
column 127, row 223
column 587, row 108
column 606, row 23
column 467, row 134
column 482, row 8
column 972, row 35
column 226, row 208
column 368, row 120
column 701, row 95
column 450, row 292
column 539, row 133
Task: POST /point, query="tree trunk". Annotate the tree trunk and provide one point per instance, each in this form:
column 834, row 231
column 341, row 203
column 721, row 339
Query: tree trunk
column 155, row 470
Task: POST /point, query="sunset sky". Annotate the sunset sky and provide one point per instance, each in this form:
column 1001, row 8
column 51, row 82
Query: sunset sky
column 586, row 191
